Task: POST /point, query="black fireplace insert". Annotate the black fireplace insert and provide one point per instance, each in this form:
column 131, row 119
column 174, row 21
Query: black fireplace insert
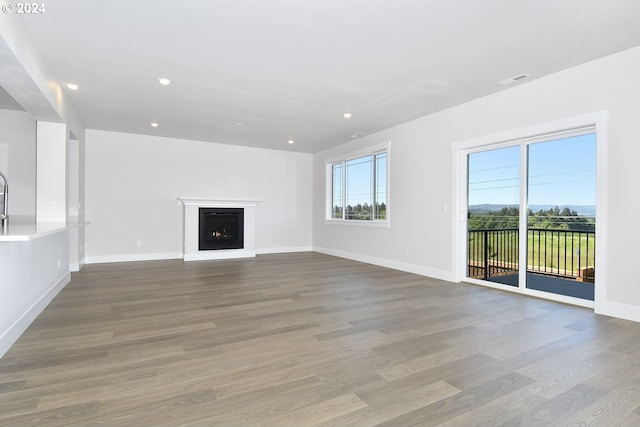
column 221, row 228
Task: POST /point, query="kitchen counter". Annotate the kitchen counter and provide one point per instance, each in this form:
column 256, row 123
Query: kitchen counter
column 21, row 231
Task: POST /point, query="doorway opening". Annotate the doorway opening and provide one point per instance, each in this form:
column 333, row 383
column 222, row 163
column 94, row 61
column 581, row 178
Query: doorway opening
column 531, row 213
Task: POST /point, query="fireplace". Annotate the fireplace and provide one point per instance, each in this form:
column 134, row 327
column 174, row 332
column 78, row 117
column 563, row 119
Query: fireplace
column 220, row 241
column 221, row 228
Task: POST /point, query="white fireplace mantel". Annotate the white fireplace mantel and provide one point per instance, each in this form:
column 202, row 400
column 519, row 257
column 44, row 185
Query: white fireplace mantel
column 190, row 228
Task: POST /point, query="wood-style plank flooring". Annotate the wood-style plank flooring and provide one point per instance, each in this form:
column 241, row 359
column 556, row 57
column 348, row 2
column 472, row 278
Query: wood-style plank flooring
column 307, row 339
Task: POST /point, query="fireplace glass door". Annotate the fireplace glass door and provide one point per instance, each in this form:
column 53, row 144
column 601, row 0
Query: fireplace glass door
column 221, row 228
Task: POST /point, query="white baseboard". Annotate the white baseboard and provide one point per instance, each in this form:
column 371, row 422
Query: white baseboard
column 11, row 335
column 616, row 309
column 101, row 259
column 283, row 249
column 219, row 254
column 396, row 265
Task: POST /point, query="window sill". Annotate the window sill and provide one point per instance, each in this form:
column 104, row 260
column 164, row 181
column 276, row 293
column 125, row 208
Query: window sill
column 376, row 224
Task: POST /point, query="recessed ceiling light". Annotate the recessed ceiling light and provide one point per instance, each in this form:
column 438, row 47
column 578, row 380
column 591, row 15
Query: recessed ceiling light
column 347, row 115
column 239, row 124
column 357, row 135
column 291, row 141
column 164, row 81
column 154, row 124
column 72, row 86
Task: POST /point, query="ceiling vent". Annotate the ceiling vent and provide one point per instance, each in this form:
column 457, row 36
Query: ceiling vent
column 514, row 79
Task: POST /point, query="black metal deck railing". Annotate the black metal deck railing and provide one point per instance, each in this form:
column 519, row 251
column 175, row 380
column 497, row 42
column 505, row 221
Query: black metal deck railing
column 565, row 253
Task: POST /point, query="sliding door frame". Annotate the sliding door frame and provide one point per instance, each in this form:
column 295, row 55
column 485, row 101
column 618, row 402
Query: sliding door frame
column 522, row 137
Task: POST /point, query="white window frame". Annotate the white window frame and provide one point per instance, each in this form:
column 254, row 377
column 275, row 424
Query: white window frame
column 598, row 121
column 369, row 151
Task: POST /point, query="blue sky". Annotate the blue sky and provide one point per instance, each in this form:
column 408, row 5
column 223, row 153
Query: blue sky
column 359, row 177
column 561, row 172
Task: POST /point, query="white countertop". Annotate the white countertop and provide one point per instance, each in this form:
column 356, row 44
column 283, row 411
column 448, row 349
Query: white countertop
column 21, row 231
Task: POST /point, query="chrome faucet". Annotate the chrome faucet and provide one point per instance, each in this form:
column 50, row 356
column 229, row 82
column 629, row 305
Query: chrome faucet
column 4, row 215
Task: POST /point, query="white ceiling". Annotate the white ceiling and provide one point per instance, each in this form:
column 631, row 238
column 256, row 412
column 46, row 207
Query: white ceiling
column 289, row 69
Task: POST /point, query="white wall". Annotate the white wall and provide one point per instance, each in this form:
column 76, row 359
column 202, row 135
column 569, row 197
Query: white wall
column 422, row 176
column 18, row 131
column 132, row 182
column 52, row 173
column 33, row 272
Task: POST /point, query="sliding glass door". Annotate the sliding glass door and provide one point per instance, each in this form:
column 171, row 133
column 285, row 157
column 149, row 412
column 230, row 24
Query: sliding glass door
column 531, row 214
column 561, row 215
column 493, row 215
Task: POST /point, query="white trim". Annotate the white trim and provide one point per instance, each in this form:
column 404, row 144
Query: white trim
column 190, row 228
column 602, row 204
column 539, row 132
column 219, row 254
column 372, row 223
column 534, row 131
column 283, row 250
column 370, row 149
column 101, row 259
column 218, row 203
column 459, row 218
column 615, row 309
column 178, row 255
column 532, row 292
column 523, row 174
column 160, row 256
column 11, row 335
column 328, row 188
column 387, row 263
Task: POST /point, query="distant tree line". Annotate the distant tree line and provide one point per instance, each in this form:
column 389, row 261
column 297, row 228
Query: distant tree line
column 361, row 211
column 553, row 218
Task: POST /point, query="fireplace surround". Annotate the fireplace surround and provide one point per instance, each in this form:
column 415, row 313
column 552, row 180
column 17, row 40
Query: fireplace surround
column 222, row 243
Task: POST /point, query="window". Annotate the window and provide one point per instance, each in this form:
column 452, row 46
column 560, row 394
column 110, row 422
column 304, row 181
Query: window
column 358, row 188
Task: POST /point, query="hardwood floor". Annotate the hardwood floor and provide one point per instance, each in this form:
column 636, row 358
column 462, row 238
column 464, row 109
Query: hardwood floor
column 307, row 339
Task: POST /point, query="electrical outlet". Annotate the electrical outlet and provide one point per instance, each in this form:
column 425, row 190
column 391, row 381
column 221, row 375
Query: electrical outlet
column 138, row 242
